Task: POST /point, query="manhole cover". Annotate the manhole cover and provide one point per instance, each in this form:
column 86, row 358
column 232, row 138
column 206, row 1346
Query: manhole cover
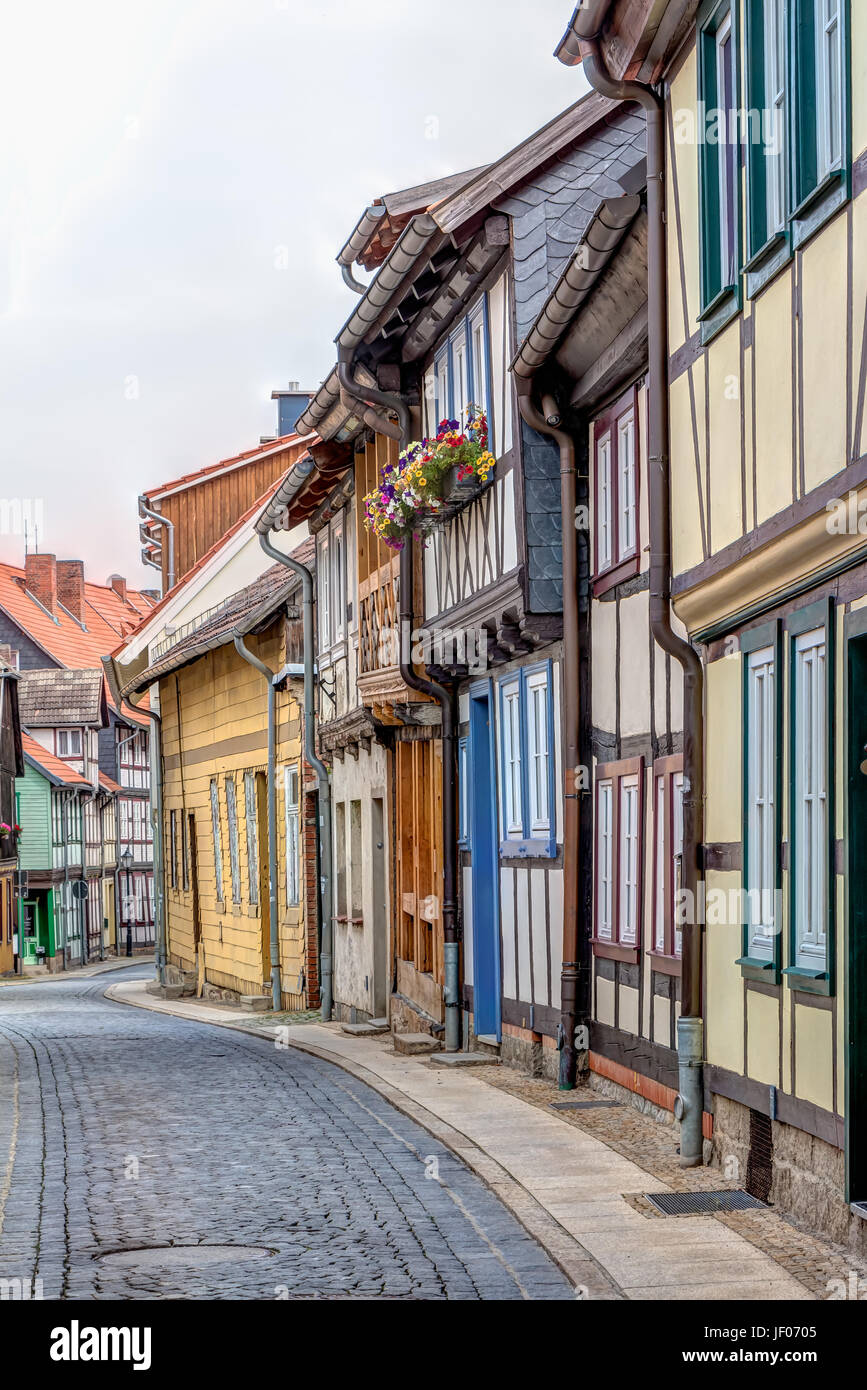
column 165, row 1255
column 584, row 1104
column 699, row 1203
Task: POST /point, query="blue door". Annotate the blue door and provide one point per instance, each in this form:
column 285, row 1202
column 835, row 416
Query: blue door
column 482, row 798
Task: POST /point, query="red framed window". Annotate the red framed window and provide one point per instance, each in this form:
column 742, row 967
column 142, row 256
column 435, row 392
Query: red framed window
column 618, row 870
column 616, row 473
column 667, row 860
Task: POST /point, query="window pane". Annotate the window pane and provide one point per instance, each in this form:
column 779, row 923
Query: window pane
column 252, row 828
column 628, row 867
column 660, row 869
column 761, row 824
column 604, row 505
column 810, row 792
column 626, row 484
column 604, row 862
column 538, row 753
column 218, row 849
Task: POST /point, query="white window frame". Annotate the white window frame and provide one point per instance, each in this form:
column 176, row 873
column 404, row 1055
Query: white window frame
column 460, row 372
column 761, row 826
column 217, row 840
column 829, row 105
column 604, row 878
column 775, row 68
column 70, row 744
column 292, row 794
column 727, row 252
column 539, row 753
column 627, row 492
column 810, row 865
column 513, row 778
column 234, row 843
column 629, row 860
column 604, row 504
column 251, row 827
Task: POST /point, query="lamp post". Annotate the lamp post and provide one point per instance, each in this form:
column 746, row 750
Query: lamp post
column 126, row 861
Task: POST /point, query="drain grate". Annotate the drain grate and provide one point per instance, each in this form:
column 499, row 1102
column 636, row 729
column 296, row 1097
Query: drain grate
column 584, row 1104
column 700, row 1203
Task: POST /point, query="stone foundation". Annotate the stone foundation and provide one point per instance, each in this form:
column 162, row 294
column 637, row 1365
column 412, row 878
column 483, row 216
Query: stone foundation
column 407, row 1017
column 808, row 1174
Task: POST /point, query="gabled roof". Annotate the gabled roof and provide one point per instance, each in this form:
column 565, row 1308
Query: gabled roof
column 380, row 225
column 108, row 617
column 240, row 614
column 57, row 696
column 212, row 470
column 108, row 784
column 58, row 772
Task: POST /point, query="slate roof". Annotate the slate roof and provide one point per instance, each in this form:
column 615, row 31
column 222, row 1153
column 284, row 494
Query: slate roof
column 241, row 613
column 552, row 209
column 55, row 769
column 57, row 696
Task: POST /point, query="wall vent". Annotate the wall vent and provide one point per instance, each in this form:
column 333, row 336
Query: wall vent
column 760, row 1160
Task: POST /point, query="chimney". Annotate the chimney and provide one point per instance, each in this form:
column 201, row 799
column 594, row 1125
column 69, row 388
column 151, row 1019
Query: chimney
column 118, row 584
column 40, row 579
column 70, row 587
column 291, row 403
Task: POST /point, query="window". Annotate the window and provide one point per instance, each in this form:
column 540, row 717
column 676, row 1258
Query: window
column 819, row 107
column 173, row 847
column 810, row 833
column 667, row 855
column 331, row 590
column 463, row 794
column 234, row 852
column 218, row 844
column 185, row 854
column 527, row 762
column 720, row 154
column 616, row 493
column 293, row 867
column 767, row 105
column 761, row 832
column 462, row 370
column 252, row 829
column 69, row 743
column 618, row 888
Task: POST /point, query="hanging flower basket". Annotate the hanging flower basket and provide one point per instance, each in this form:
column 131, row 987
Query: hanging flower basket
column 431, row 480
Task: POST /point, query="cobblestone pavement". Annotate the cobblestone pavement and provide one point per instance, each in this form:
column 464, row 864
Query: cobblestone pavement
column 820, row 1265
column 121, row 1129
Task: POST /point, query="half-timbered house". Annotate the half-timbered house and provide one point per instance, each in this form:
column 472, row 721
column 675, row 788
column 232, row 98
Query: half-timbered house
column 765, row 114
column 11, row 766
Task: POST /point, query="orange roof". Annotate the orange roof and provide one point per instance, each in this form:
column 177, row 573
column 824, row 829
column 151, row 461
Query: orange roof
column 108, row 784
column 108, row 618
column 190, row 479
column 56, row 768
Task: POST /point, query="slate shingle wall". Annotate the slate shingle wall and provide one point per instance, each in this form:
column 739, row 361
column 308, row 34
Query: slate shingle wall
column 549, row 214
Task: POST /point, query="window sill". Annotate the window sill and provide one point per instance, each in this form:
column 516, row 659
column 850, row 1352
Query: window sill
column 664, row 965
column 719, row 313
column 609, row 579
column 767, row 263
column 612, row 950
column 763, row 971
column 528, row 849
column 809, row 981
column 819, row 206
column 220, row 905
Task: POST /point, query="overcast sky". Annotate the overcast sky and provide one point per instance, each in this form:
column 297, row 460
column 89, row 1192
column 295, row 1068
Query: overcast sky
column 176, row 179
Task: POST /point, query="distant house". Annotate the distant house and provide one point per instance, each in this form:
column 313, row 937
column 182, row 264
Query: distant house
column 53, row 618
column 11, row 766
column 66, row 807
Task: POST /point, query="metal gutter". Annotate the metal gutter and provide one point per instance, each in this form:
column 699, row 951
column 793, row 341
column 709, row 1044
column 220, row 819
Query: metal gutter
column 365, row 230
column 146, row 511
column 599, row 241
column 270, row 518
column 392, row 276
column 585, row 26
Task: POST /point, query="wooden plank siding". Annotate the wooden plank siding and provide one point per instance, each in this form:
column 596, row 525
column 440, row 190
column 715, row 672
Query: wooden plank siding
column 203, row 511
column 214, row 714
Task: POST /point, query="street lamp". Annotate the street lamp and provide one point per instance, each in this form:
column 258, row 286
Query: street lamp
column 126, row 862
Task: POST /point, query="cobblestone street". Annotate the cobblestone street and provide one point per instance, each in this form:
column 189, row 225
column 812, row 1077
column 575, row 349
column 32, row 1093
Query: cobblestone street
column 124, row 1130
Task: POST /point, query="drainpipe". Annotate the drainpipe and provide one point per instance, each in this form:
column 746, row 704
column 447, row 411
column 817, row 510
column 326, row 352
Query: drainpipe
column 326, row 949
column 448, row 704
column 156, row 808
column 169, row 527
column 575, row 973
column 276, row 987
column 689, row 1025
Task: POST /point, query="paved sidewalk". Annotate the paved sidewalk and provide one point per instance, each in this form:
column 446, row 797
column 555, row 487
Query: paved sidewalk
column 77, row 972
column 570, row 1190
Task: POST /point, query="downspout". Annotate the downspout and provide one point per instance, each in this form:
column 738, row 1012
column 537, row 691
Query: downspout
column 169, row 526
column 326, row 950
column 689, row 1025
column 575, row 971
column 448, row 703
column 276, row 986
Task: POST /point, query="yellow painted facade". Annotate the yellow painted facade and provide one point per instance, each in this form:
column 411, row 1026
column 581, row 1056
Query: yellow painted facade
column 767, row 419
column 214, row 732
